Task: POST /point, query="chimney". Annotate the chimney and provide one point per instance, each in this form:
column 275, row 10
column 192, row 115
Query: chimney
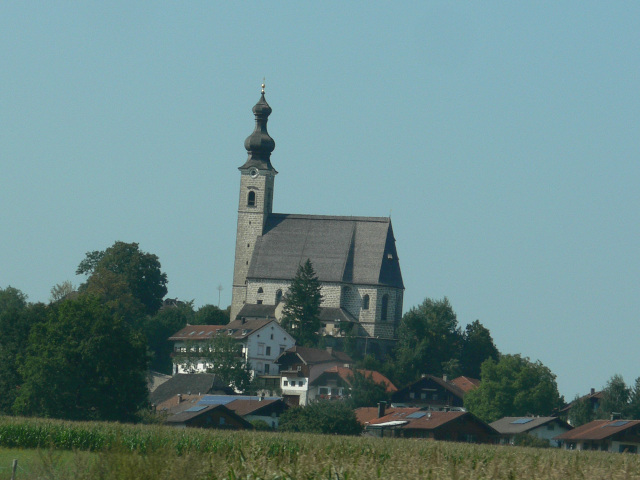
column 381, row 409
column 593, row 391
column 445, row 378
column 616, row 416
column 330, row 350
column 243, row 320
column 179, row 398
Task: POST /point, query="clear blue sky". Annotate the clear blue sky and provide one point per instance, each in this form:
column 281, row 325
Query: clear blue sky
column 503, row 139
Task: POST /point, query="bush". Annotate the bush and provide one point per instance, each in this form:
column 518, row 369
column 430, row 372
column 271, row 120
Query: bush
column 321, row 417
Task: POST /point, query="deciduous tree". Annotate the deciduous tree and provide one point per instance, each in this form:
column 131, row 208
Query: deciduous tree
column 83, row 363
column 328, row 417
column 513, row 386
column 428, row 337
column 477, row 346
column 136, row 271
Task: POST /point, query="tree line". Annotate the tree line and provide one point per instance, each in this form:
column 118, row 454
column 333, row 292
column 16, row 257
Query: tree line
column 86, row 354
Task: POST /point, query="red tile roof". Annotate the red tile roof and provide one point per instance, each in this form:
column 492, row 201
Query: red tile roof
column 429, row 421
column 347, row 374
column 466, row 384
column 598, row 430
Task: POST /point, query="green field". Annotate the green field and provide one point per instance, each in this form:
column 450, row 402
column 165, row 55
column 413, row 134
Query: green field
column 63, row 450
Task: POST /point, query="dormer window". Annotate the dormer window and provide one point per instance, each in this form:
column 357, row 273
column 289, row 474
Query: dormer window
column 251, row 199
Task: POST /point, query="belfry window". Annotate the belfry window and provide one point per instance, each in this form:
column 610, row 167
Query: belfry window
column 260, row 290
column 251, row 199
column 384, row 307
column 365, row 302
column 278, row 296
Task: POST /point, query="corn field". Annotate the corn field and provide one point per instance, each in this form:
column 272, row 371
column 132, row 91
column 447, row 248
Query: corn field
column 65, row 450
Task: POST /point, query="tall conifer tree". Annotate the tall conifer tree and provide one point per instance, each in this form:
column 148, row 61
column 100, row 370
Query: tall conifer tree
column 301, row 312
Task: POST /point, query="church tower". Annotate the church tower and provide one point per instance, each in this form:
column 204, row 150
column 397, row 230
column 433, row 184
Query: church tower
column 256, row 200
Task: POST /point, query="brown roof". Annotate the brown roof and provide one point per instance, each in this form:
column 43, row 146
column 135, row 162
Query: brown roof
column 247, row 407
column 515, row 425
column 236, row 329
column 598, row 430
column 368, row 414
column 311, row 356
column 429, row 421
column 346, row 374
column 466, row 384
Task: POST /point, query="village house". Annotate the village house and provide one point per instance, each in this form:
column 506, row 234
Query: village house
column 354, row 258
column 299, row 366
column 621, row 436
column 544, row 428
column 249, row 408
column 455, row 426
column 335, row 383
column 430, row 392
column 209, row 416
column 260, row 342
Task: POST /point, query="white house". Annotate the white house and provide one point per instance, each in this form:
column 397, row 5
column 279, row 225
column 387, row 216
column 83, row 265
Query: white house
column 262, row 341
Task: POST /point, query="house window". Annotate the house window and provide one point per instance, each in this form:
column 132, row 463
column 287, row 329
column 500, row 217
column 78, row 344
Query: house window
column 251, row 199
column 259, row 302
column 299, row 367
column 300, row 383
column 272, row 336
column 365, row 302
column 384, row 308
column 285, row 383
column 323, row 390
column 281, row 349
column 278, row 296
column 268, row 352
column 412, row 395
column 266, row 368
column 221, row 420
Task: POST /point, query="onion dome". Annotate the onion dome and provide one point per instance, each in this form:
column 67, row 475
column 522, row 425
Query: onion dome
column 259, row 144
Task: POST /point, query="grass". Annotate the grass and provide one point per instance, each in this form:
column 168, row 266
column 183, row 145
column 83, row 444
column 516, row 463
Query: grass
column 81, row 451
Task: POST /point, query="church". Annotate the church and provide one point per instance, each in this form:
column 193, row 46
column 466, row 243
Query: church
column 355, row 258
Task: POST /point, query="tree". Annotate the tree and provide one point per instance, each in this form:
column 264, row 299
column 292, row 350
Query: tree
column 137, row 270
column 16, row 319
column 210, row 315
column 477, row 346
column 615, row 398
column 300, row 314
column 634, row 401
column 328, row 417
column 83, row 363
column 223, row 355
column 581, row 412
column 428, row 336
column 513, row 386
column 61, row 291
column 365, row 392
column 159, row 327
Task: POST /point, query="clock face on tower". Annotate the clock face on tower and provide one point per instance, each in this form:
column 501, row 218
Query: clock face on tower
column 253, row 172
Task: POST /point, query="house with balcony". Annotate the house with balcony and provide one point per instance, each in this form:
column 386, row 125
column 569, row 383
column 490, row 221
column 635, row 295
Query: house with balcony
column 335, row 383
column 299, row 366
column 434, row 393
column 260, row 343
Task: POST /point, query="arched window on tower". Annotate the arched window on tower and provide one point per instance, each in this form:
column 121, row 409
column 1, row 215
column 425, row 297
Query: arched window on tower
column 365, row 302
column 384, row 307
column 278, row 296
column 251, row 199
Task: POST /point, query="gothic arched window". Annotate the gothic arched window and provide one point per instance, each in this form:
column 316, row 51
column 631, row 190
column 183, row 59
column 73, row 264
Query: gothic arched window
column 251, row 199
column 278, row 296
column 384, row 307
column 365, row 302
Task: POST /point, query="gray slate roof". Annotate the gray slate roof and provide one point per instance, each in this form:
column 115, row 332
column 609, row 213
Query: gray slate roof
column 506, row 425
column 187, row 383
column 359, row 250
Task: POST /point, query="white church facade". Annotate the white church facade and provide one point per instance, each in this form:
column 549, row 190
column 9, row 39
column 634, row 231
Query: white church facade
column 355, row 258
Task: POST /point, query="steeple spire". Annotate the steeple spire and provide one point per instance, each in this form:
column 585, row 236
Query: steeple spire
column 259, row 144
